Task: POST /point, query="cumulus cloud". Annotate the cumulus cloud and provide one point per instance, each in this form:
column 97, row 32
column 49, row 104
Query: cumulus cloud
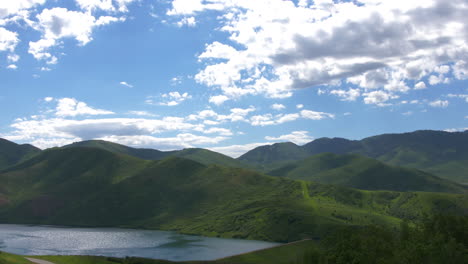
column 8, row 40
column 278, row 107
column 72, row 107
column 349, row 95
column 187, row 21
column 218, row 99
column 235, row 115
column 276, row 46
column 378, row 98
column 297, row 137
column 58, row 23
column 174, row 98
column 439, row 103
column 420, row 86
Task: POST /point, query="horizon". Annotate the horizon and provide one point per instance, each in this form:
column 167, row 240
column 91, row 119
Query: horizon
column 229, row 76
column 237, row 155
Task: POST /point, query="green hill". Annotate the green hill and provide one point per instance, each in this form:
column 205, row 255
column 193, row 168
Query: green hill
column 142, row 153
column 94, row 187
column 360, row 172
column 12, row 153
column 267, row 157
column 440, row 153
column 203, row 156
column 207, row 157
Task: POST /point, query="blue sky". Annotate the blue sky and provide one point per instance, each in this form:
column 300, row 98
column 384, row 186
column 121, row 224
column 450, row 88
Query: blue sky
column 229, row 75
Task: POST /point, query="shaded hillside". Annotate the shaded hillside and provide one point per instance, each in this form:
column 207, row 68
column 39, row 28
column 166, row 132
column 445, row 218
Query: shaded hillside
column 360, row 172
column 142, row 153
column 12, row 153
column 207, row 157
column 440, row 153
column 93, row 187
column 203, row 156
column 276, row 155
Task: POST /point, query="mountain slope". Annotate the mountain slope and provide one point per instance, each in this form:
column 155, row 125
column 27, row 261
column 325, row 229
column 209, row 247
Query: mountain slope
column 203, row 156
column 12, row 153
column 94, row 187
column 142, row 153
column 276, row 155
column 440, row 153
column 360, row 172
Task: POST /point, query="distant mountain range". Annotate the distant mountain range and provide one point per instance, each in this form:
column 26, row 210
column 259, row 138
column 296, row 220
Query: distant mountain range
column 444, row 154
column 305, row 194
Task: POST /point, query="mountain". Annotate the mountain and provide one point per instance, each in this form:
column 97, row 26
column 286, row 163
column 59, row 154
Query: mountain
column 94, row 187
column 203, row 156
column 142, row 153
column 12, row 153
column 361, row 172
column 207, row 157
column 444, row 154
column 276, row 155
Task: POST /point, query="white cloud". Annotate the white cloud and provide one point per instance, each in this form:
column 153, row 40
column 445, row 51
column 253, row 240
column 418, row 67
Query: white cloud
column 187, row 21
column 316, row 115
column 420, row 86
column 299, row 106
column 8, row 40
column 48, row 99
column 72, row 107
column 439, row 103
column 218, row 99
column 350, row 95
column 126, row 84
column 174, row 98
column 12, row 67
column 105, row 5
column 141, row 113
column 452, row 130
column 58, row 23
column 280, row 46
column 461, row 96
column 378, row 98
column 278, row 107
column 218, row 130
column 210, row 116
column 237, row 150
column 297, row 137
column 13, row 58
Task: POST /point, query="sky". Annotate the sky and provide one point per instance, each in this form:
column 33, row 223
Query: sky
column 229, row 75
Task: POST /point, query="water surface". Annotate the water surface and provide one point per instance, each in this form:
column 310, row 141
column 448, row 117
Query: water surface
column 115, row 242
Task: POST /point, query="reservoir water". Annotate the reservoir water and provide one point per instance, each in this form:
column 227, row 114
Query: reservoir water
column 114, row 242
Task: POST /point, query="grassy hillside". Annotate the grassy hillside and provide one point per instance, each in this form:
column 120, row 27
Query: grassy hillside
column 440, row 153
column 207, row 157
column 142, row 153
column 203, row 156
column 360, row 172
column 94, row 187
column 269, row 157
column 12, row 153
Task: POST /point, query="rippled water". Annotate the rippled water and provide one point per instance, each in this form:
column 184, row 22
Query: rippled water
column 113, row 242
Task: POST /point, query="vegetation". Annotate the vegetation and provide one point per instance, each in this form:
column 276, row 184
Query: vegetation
column 202, row 156
column 360, row 172
column 440, row 153
column 94, row 187
column 7, row 258
column 12, row 153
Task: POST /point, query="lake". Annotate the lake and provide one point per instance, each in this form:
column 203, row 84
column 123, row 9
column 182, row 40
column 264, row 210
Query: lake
column 115, row 242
